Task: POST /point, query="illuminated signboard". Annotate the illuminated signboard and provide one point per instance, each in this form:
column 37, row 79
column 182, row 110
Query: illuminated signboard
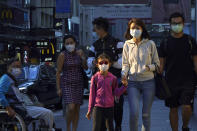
column 13, row 15
column 47, row 50
column 6, row 14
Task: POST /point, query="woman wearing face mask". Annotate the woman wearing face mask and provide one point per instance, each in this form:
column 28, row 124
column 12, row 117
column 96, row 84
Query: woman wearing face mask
column 70, row 83
column 138, row 63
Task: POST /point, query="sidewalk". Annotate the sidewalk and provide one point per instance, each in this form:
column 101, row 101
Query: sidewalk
column 159, row 118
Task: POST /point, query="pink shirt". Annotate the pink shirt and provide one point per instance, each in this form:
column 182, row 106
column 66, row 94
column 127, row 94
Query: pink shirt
column 103, row 89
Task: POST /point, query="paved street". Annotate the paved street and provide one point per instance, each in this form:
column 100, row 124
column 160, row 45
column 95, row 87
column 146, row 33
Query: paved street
column 159, row 118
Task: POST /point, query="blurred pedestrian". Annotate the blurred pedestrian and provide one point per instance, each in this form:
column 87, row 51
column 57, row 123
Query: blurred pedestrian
column 178, row 56
column 113, row 48
column 71, row 63
column 104, row 87
column 9, row 87
column 138, row 63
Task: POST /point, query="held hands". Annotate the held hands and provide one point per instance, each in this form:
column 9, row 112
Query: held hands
column 147, row 68
column 88, row 115
column 124, row 81
column 10, row 111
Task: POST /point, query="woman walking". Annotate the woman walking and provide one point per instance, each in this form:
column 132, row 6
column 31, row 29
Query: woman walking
column 70, row 84
column 138, row 63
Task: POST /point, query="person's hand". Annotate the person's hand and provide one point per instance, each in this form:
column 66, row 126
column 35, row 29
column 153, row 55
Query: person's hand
column 10, row 112
column 124, row 81
column 81, row 53
column 147, row 68
column 88, row 115
column 59, row 92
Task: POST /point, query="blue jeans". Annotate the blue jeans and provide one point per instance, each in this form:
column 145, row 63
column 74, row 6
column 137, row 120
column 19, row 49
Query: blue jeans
column 135, row 89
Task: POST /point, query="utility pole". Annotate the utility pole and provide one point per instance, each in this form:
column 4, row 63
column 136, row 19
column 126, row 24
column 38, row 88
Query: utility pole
column 196, row 18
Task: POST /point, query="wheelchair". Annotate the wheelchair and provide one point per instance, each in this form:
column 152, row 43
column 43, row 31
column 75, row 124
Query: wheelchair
column 19, row 123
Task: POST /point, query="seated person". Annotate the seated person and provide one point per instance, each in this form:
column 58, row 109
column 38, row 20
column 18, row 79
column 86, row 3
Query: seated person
column 8, row 84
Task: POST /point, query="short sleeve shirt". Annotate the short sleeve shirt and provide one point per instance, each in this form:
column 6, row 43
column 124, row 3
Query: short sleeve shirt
column 178, row 52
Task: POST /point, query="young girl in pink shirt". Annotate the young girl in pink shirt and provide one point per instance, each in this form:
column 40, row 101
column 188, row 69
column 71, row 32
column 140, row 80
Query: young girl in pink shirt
column 104, row 87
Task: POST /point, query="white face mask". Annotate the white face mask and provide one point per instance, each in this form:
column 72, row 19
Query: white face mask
column 135, row 33
column 16, row 71
column 104, row 67
column 70, row 47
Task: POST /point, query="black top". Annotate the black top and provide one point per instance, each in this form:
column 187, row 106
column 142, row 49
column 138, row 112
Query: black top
column 178, row 52
column 108, row 45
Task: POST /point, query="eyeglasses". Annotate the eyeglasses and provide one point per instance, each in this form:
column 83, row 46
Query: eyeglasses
column 103, row 62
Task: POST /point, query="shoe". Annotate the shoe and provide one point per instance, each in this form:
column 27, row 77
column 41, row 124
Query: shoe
column 118, row 128
column 185, row 129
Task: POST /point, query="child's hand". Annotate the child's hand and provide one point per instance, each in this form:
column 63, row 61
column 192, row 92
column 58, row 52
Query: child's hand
column 88, row 115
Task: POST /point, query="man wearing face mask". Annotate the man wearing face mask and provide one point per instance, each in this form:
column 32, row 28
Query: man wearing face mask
column 8, row 86
column 178, row 56
column 113, row 48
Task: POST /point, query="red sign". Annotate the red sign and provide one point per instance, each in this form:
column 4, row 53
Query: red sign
column 113, row 2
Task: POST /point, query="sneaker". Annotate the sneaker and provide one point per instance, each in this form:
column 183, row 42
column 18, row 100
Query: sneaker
column 185, row 129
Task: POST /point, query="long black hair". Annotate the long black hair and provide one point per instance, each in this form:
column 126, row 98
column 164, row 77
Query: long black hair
column 10, row 62
column 67, row 37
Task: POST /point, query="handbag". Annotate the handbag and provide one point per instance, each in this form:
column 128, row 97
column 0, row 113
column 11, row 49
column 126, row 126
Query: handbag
column 162, row 90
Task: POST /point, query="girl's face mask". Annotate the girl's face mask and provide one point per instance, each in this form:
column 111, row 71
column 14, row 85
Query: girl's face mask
column 103, row 65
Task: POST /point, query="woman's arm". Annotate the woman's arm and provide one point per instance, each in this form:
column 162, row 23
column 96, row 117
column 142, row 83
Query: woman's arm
column 60, row 63
column 83, row 58
column 155, row 58
column 125, row 60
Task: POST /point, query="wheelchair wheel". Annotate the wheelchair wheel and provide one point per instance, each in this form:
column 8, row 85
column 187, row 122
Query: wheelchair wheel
column 11, row 124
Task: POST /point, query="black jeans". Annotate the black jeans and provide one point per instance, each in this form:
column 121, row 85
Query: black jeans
column 101, row 116
column 118, row 111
